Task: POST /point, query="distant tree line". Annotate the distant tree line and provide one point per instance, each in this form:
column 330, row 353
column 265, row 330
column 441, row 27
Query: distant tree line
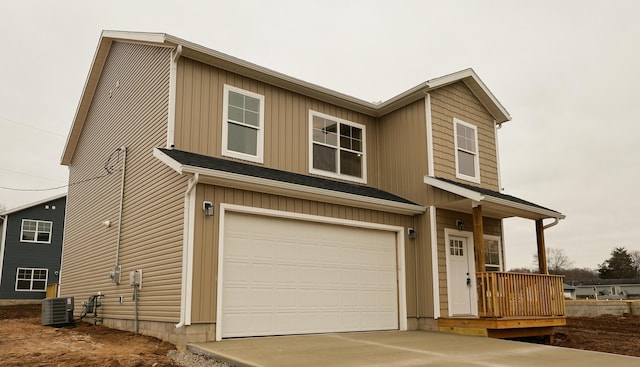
column 622, row 264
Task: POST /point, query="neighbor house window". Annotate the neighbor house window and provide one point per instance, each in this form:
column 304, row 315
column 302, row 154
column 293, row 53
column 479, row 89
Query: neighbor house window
column 466, row 145
column 31, row 280
column 36, row 231
column 243, row 124
column 337, row 147
column 492, row 254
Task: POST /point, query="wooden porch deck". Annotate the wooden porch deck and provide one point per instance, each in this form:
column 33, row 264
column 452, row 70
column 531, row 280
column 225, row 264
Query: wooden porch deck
column 512, row 305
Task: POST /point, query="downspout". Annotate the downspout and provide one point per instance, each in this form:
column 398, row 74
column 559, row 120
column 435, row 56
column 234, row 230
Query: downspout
column 117, row 273
column 434, row 262
column 173, row 75
column 187, row 243
column 556, row 220
column 415, row 273
column 498, row 127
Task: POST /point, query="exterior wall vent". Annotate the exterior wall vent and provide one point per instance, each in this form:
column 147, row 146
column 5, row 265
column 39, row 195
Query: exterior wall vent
column 57, row 311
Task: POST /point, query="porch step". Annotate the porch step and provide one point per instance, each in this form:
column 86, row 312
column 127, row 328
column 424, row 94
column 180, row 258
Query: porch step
column 501, row 328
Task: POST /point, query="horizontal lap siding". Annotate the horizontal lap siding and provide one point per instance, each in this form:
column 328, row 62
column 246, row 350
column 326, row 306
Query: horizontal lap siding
column 457, row 101
column 199, row 104
column 447, row 219
column 207, row 230
column 129, row 108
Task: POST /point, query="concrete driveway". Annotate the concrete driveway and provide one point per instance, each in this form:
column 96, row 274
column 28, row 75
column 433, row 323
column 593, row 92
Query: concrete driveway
column 399, row 348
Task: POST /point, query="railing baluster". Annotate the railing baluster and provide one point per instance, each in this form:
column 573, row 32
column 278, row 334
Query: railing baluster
column 514, row 295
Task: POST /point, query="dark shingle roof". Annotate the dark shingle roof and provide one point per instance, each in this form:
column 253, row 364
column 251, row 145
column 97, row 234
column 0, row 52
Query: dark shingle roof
column 495, row 194
column 230, row 166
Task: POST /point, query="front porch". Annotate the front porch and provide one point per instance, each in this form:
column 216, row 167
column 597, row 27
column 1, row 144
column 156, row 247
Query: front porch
column 508, row 304
column 512, row 305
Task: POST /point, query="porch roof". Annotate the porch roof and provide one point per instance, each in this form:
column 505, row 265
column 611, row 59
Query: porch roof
column 494, row 204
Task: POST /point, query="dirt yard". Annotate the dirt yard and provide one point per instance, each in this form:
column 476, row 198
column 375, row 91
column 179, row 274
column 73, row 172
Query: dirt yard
column 607, row 333
column 24, row 342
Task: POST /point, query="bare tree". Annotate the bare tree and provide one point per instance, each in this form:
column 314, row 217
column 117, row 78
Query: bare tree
column 635, row 258
column 557, row 260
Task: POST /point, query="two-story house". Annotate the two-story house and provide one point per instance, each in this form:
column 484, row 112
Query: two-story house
column 252, row 203
column 30, row 248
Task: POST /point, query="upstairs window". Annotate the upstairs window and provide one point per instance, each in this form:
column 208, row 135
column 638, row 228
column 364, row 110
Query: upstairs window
column 337, row 147
column 466, row 145
column 36, row 231
column 243, row 124
column 31, row 280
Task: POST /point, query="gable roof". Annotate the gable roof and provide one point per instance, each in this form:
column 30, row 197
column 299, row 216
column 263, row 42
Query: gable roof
column 236, row 65
column 242, row 175
column 494, row 204
column 31, row 205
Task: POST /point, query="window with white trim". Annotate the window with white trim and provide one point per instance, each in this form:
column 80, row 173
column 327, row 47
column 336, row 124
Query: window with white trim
column 492, row 254
column 337, row 147
column 31, row 279
column 242, row 124
column 466, row 145
column 36, row 231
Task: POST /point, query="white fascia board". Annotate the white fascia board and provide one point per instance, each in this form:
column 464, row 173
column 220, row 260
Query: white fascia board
column 147, row 37
column 172, row 163
column 455, row 189
column 462, row 75
column 30, row 205
column 525, row 207
column 396, row 207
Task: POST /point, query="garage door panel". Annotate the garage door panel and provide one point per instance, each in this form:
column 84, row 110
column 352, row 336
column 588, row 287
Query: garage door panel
column 283, row 276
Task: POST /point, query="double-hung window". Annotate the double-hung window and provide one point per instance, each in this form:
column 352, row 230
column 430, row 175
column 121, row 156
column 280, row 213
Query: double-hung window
column 243, row 124
column 36, row 231
column 31, row 279
column 492, row 253
column 337, row 147
column 466, row 146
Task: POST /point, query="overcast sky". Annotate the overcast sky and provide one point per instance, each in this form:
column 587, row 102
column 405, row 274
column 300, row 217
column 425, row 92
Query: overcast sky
column 567, row 71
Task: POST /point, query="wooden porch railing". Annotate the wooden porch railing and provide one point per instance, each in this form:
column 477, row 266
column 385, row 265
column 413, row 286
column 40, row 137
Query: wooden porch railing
column 519, row 295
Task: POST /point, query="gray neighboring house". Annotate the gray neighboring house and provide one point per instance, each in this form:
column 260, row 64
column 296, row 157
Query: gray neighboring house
column 31, row 248
column 608, row 288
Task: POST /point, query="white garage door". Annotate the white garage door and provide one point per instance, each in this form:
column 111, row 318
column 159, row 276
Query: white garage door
column 283, row 276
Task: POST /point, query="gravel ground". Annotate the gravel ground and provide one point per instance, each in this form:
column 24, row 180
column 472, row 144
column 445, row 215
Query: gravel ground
column 189, row 359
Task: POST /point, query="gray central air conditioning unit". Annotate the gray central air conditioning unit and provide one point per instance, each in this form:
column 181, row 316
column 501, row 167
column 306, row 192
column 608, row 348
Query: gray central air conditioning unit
column 57, row 311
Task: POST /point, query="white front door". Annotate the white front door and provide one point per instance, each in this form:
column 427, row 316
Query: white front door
column 460, row 274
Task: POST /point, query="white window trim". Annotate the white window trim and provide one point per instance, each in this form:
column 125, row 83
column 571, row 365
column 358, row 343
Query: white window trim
column 36, row 237
column 259, row 157
column 496, row 238
column 46, row 280
column 362, row 179
column 476, row 153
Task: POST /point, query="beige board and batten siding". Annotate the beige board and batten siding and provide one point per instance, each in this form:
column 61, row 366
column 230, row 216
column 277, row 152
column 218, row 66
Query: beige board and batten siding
column 457, row 101
column 402, row 152
column 447, row 219
column 199, row 105
column 207, row 232
column 129, row 109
